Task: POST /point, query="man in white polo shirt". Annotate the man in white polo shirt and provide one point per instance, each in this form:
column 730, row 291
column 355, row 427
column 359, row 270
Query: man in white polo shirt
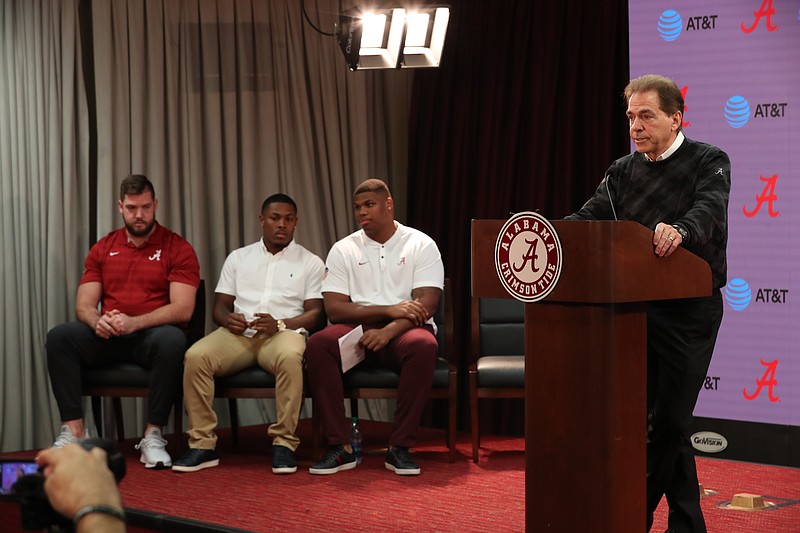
column 267, row 300
column 387, row 278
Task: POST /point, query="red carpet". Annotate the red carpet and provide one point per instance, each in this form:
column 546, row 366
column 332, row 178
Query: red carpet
column 243, row 493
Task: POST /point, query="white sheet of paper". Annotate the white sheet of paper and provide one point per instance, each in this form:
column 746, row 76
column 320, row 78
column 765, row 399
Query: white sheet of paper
column 351, row 352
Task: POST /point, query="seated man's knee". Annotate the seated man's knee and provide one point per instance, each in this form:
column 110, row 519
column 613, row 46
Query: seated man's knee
column 289, row 360
column 422, row 342
column 195, row 359
column 170, row 339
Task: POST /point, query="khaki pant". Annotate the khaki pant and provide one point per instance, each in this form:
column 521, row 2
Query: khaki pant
column 222, row 353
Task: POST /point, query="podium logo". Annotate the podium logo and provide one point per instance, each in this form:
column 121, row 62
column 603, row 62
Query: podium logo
column 738, row 294
column 709, row 442
column 528, row 257
column 670, row 25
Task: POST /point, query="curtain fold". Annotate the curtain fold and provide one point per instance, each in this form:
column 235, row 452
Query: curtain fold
column 43, row 179
column 525, row 113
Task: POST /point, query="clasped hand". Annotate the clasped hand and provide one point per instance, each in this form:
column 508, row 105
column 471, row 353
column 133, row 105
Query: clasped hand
column 412, row 310
column 113, row 324
column 262, row 323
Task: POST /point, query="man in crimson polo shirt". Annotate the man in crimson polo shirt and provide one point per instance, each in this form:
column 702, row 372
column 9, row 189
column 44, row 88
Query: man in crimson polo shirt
column 144, row 278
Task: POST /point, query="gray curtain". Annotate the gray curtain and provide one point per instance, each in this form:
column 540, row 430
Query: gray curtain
column 220, row 103
column 43, row 178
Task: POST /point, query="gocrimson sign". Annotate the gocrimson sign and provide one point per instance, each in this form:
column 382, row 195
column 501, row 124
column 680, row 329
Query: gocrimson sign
column 528, row 257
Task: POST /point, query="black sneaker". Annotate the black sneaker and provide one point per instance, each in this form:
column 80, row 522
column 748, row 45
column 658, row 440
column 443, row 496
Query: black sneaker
column 196, row 459
column 398, row 459
column 283, row 460
column 336, row 458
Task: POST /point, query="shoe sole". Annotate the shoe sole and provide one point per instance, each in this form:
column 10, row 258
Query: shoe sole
column 284, row 470
column 157, row 466
column 326, row 471
column 207, row 464
column 402, row 471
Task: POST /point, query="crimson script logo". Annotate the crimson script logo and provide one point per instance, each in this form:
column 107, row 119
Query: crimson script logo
column 528, row 256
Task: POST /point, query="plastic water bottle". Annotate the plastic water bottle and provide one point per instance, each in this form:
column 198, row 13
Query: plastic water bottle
column 355, row 440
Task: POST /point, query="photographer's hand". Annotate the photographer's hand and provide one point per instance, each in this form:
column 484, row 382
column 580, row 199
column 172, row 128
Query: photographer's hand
column 76, row 478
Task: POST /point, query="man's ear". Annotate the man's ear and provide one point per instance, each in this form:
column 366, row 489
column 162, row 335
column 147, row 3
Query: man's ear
column 677, row 120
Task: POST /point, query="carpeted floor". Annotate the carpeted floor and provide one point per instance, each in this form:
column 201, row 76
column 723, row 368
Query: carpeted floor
column 448, row 497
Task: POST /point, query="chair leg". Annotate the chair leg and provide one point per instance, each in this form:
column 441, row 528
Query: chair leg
column 97, row 412
column 473, row 406
column 117, row 402
column 177, row 418
column 316, row 433
column 233, row 408
column 451, row 419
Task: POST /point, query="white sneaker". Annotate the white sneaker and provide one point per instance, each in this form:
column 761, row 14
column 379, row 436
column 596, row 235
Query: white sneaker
column 66, row 437
column 154, row 453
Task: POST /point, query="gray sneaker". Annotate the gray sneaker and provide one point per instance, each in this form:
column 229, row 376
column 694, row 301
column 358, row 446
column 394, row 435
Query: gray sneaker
column 153, row 448
column 66, row 437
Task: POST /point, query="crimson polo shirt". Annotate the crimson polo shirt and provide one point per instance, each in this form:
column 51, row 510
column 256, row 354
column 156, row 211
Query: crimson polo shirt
column 135, row 279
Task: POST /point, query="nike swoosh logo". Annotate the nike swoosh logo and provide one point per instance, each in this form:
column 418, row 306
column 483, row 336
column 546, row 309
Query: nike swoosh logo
column 113, row 253
column 361, row 263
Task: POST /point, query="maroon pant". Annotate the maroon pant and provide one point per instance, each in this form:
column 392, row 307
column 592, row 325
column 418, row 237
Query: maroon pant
column 413, row 354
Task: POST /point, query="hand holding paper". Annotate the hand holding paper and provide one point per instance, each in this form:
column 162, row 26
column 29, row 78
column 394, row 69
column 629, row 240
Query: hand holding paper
column 350, row 350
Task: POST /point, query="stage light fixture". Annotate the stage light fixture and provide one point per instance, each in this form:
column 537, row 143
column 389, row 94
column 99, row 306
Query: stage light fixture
column 425, row 33
column 387, row 38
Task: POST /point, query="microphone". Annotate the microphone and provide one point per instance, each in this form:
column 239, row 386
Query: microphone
column 610, row 200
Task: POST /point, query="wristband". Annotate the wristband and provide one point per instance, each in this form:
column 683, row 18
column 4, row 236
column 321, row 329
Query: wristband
column 105, row 509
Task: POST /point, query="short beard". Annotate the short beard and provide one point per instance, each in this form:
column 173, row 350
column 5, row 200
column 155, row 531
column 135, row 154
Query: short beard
column 140, row 232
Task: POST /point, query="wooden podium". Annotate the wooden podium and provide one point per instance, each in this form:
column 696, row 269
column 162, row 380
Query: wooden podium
column 585, row 370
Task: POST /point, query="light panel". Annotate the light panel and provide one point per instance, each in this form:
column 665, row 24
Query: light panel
column 391, row 38
column 425, row 41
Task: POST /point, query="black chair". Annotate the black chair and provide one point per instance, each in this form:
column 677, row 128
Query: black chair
column 129, row 380
column 253, row 382
column 498, row 367
column 372, row 381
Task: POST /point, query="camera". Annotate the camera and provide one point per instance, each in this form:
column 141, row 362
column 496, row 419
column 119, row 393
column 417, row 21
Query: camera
column 23, row 481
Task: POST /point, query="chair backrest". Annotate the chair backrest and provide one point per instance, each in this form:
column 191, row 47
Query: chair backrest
column 197, row 324
column 444, row 321
column 498, row 326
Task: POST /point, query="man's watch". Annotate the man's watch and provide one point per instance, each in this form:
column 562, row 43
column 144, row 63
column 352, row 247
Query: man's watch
column 682, row 231
column 281, row 325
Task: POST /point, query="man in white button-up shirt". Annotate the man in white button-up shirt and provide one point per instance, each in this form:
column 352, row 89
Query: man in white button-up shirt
column 266, row 302
column 388, row 278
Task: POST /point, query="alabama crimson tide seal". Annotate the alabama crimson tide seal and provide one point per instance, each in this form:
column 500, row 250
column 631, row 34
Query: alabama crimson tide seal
column 528, row 256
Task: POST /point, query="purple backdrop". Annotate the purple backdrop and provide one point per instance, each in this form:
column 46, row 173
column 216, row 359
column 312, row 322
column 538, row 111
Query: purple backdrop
column 738, row 63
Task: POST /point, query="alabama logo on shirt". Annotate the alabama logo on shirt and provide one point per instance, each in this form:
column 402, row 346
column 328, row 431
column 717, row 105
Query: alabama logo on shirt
column 528, row 257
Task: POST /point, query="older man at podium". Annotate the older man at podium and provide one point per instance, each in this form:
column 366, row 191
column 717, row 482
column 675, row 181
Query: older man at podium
column 679, row 188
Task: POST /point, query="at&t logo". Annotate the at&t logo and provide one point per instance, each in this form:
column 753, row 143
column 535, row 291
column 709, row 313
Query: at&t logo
column 737, row 111
column 528, row 257
column 670, row 25
column 738, row 294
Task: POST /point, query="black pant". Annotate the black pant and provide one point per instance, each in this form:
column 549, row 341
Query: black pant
column 73, row 346
column 680, row 341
